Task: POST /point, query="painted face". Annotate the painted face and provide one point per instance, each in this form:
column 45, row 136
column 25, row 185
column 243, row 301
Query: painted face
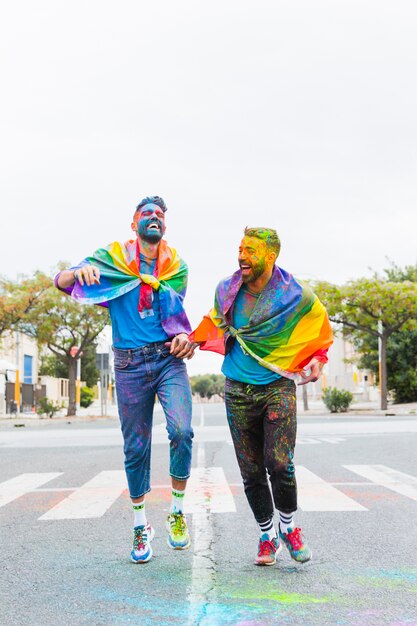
column 252, row 258
column 149, row 223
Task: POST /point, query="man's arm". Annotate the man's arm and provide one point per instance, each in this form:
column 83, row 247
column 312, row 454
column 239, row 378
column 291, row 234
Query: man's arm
column 88, row 274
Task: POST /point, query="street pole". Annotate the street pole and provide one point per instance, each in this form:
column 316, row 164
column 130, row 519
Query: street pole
column 17, row 378
column 78, row 385
column 305, row 399
column 102, row 387
column 382, row 365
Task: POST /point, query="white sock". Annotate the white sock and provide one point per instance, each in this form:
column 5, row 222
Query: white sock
column 286, row 523
column 140, row 514
column 177, row 502
column 268, row 528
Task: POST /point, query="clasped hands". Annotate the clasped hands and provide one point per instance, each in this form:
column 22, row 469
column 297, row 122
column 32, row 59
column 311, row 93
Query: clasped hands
column 181, row 347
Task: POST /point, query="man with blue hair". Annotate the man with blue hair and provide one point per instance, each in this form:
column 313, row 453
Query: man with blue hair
column 143, row 282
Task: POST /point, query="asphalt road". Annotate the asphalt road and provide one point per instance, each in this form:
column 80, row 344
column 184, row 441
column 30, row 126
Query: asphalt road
column 65, row 529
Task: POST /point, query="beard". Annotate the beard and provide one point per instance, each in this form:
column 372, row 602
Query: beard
column 151, row 235
column 256, row 271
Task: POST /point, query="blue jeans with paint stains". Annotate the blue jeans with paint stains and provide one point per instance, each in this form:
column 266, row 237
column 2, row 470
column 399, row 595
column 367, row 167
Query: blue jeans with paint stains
column 141, row 374
column 263, row 425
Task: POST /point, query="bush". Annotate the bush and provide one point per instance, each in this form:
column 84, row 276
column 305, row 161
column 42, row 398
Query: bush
column 47, row 407
column 208, row 385
column 337, row 400
column 87, row 397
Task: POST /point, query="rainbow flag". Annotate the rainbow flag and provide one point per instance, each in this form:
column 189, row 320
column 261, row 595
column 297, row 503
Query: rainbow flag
column 119, row 273
column 288, row 327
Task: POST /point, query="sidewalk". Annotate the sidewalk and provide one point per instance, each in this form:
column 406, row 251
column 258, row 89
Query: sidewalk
column 316, row 408
column 359, row 408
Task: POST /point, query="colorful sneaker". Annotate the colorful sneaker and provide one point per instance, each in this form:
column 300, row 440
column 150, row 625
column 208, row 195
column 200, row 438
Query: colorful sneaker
column 142, row 549
column 298, row 549
column 178, row 535
column 268, row 550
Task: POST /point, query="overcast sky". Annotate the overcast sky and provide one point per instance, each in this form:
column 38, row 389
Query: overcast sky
column 299, row 116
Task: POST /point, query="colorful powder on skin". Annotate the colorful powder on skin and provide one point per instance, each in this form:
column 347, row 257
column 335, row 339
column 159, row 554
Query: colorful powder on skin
column 288, row 326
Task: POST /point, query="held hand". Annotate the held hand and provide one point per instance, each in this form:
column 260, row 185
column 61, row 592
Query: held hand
column 181, row 347
column 88, row 274
column 315, row 373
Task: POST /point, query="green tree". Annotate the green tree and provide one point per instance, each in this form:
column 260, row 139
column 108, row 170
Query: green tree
column 51, row 365
column 402, row 366
column 398, row 274
column 375, row 307
column 19, row 297
column 401, row 348
column 208, row 385
column 67, row 329
column 89, row 370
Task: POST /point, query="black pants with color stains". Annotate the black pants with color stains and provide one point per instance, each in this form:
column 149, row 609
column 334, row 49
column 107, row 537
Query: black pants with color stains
column 263, row 425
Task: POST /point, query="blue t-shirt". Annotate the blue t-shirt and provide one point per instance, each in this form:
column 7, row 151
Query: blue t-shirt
column 129, row 330
column 238, row 365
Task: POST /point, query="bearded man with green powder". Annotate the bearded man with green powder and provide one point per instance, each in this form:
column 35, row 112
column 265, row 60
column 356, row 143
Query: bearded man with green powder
column 273, row 332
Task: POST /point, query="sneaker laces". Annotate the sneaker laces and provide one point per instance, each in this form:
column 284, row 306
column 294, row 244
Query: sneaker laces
column 177, row 523
column 140, row 539
column 266, row 547
column 295, row 539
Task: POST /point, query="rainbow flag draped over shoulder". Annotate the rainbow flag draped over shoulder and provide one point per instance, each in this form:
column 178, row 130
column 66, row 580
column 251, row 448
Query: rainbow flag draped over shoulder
column 119, row 267
column 288, row 326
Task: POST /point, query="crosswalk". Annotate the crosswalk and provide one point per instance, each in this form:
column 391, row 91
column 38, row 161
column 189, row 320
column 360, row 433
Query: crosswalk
column 315, row 494
column 208, row 490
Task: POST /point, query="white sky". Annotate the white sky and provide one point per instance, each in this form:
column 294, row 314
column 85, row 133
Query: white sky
column 297, row 115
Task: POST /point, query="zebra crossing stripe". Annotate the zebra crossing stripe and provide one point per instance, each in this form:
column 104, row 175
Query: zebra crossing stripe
column 401, row 483
column 91, row 499
column 208, row 489
column 315, row 494
column 20, row 485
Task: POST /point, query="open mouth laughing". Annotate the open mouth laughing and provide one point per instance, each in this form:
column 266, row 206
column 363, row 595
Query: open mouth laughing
column 154, row 226
column 245, row 268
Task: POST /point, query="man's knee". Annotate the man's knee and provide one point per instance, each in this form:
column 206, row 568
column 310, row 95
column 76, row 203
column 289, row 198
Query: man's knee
column 253, row 476
column 181, row 434
column 281, row 466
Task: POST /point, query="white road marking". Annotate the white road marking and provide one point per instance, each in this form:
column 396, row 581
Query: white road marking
column 315, row 494
column 207, row 492
column 202, row 589
column 331, row 439
column 401, row 483
column 20, row 485
column 307, row 440
column 91, row 499
column 208, row 489
column 80, row 437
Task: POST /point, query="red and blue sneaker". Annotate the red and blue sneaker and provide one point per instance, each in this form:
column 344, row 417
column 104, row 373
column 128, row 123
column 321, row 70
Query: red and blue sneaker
column 142, row 549
column 268, row 550
column 297, row 547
